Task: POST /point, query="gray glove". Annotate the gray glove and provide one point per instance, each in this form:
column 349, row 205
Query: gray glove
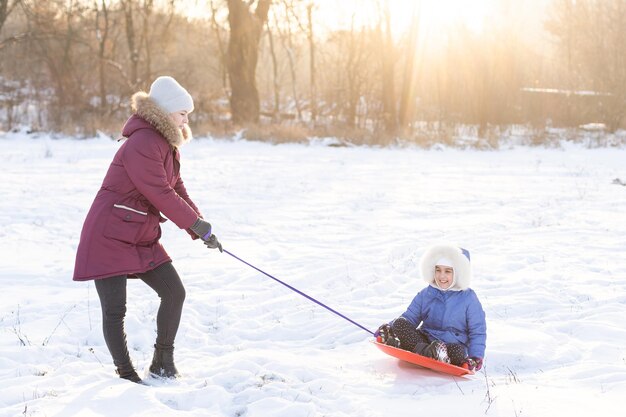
column 203, row 229
column 212, row 243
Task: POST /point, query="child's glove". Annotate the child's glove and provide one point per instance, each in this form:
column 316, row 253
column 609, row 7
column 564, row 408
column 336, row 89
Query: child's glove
column 385, row 335
column 379, row 331
column 473, row 364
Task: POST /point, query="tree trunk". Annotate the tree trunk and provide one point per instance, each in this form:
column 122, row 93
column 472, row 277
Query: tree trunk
column 390, row 116
column 309, row 13
column 102, row 33
column 287, row 41
column 276, row 115
column 4, row 7
column 409, row 78
column 5, row 10
column 220, row 45
column 147, row 9
column 132, row 42
column 242, row 57
column 355, row 62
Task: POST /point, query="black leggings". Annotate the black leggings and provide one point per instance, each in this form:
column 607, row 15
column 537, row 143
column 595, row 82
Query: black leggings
column 164, row 280
column 415, row 340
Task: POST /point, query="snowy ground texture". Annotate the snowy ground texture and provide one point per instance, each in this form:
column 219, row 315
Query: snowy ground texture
column 546, row 229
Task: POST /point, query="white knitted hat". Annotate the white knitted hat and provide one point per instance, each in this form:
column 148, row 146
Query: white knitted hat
column 170, row 95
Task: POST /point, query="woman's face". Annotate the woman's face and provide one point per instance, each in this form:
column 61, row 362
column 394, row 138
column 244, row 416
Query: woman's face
column 444, row 276
column 180, row 118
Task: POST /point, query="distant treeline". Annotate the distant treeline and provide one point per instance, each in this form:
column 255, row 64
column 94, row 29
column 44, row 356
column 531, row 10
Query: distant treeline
column 278, row 69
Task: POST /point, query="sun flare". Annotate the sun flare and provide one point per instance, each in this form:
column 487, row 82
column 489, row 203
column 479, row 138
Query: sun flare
column 441, row 15
column 432, row 15
column 438, row 14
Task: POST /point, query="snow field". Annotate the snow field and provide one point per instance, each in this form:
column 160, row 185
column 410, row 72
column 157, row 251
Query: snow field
column 545, row 228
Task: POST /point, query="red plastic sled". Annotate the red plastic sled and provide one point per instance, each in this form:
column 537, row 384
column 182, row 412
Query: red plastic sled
column 414, row 358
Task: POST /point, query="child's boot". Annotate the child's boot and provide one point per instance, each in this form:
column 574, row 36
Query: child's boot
column 406, row 333
column 437, row 350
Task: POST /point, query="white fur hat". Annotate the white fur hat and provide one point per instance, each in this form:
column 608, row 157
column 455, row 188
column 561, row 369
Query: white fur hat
column 445, row 262
column 459, row 259
column 170, row 95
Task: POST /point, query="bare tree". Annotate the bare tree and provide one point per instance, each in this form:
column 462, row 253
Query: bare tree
column 64, row 64
column 592, row 38
column 6, row 7
column 220, row 44
column 286, row 37
column 355, row 72
column 276, row 82
column 245, row 34
column 128, row 6
column 102, row 34
column 293, row 11
column 353, row 75
column 54, row 33
column 146, row 12
column 388, row 58
column 312, row 78
column 409, row 78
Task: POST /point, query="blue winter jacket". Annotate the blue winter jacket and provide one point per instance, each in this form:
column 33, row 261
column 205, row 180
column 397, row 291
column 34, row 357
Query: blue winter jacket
column 450, row 316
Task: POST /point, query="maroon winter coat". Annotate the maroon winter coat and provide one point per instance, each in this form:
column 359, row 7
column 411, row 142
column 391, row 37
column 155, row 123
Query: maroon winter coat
column 121, row 233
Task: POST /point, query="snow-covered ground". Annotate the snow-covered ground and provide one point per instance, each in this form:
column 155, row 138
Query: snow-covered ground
column 546, row 229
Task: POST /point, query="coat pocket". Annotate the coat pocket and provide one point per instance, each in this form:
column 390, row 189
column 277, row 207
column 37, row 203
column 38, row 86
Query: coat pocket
column 125, row 223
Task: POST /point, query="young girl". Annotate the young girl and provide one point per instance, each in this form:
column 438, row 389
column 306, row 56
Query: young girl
column 121, row 234
column 445, row 320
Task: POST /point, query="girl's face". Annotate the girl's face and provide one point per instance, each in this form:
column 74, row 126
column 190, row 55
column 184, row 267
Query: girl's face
column 444, row 276
column 180, row 118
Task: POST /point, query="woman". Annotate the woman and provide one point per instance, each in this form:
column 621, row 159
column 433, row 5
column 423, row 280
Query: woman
column 120, row 236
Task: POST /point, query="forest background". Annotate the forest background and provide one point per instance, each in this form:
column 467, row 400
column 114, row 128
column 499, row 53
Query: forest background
column 364, row 71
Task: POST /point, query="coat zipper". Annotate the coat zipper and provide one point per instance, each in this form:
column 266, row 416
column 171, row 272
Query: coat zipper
column 129, row 209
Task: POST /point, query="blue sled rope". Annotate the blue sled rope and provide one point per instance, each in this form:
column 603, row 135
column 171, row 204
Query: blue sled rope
column 301, row 293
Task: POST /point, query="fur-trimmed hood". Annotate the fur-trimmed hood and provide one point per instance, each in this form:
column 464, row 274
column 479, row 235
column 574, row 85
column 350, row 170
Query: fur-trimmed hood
column 146, row 108
column 460, row 263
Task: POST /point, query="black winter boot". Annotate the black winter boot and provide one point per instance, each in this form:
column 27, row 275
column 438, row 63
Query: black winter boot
column 163, row 363
column 127, row 371
column 406, row 333
column 437, row 350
